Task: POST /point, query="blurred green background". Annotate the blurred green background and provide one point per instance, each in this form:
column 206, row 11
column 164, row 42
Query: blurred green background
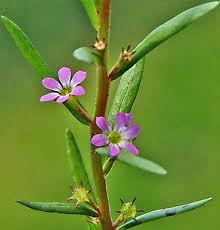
column 178, row 109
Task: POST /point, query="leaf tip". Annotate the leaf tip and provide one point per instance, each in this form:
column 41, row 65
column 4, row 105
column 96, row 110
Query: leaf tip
column 202, row 202
column 208, row 199
column 212, row 5
column 4, row 18
column 163, row 172
column 215, row 3
column 68, row 131
column 22, row 202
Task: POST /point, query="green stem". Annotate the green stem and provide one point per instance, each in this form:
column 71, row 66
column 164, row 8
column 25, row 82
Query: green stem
column 103, row 12
column 78, row 111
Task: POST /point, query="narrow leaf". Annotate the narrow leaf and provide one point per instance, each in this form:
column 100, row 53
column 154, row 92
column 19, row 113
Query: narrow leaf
column 165, row 31
column 158, row 214
column 55, row 207
column 86, row 55
column 90, row 8
column 39, row 65
column 76, row 163
column 124, row 99
column 26, row 48
column 136, row 162
column 127, row 90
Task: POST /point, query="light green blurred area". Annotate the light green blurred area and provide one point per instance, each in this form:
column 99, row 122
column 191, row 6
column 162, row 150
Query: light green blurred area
column 178, row 109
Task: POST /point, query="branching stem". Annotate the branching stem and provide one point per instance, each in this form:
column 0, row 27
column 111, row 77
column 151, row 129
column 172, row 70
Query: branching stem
column 103, row 13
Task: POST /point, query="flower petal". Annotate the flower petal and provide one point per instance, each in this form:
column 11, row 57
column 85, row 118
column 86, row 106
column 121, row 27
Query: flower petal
column 113, row 150
column 119, row 121
column 64, row 75
column 129, row 147
column 130, row 132
column 78, row 91
column 49, row 97
column 128, row 118
column 99, row 140
column 51, row 83
column 102, row 123
column 78, row 77
column 62, row 99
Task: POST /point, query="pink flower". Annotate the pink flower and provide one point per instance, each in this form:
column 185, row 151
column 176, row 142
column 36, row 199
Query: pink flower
column 66, row 87
column 120, row 136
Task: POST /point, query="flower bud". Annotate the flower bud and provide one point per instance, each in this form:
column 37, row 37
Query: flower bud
column 127, row 211
column 80, row 194
column 99, row 45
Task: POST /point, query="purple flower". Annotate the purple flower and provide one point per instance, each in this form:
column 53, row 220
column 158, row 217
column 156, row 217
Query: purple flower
column 66, row 87
column 120, row 136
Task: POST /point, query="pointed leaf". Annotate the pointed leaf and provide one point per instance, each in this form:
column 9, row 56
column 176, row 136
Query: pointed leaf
column 127, row 90
column 90, row 8
column 37, row 62
column 158, row 214
column 76, row 163
column 165, row 31
column 26, row 48
column 86, row 55
column 55, row 207
column 135, row 161
column 124, row 99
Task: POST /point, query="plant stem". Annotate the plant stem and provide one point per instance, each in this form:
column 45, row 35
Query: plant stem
column 117, row 222
column 78, row 111
column 103, row 13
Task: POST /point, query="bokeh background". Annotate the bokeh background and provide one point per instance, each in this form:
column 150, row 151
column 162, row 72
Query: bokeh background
column 178, row 109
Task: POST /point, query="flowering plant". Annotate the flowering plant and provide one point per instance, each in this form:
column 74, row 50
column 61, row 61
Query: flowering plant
column 112, row 138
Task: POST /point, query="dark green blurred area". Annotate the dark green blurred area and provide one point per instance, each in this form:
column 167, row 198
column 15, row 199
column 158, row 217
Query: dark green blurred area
column 178, row 109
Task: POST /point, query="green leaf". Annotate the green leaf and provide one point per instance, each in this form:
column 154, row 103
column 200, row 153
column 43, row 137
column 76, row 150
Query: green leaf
column 27, row 49
column 158, row 214
column 55, row 207
column 87, row 55
column 135, row 161
column 124, row 99
column 127, row 90
column 39, row 65
column 165, row 31
column 90, row 8
column 92, row 226
column 76, row 163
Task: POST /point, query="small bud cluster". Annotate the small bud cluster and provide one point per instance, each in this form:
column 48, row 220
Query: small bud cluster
column 127, row 211
column 100, row 45
column 126, row 54
column 80, row 194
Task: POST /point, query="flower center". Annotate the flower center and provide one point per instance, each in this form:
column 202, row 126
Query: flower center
column 66, row 91
column 114, row 137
